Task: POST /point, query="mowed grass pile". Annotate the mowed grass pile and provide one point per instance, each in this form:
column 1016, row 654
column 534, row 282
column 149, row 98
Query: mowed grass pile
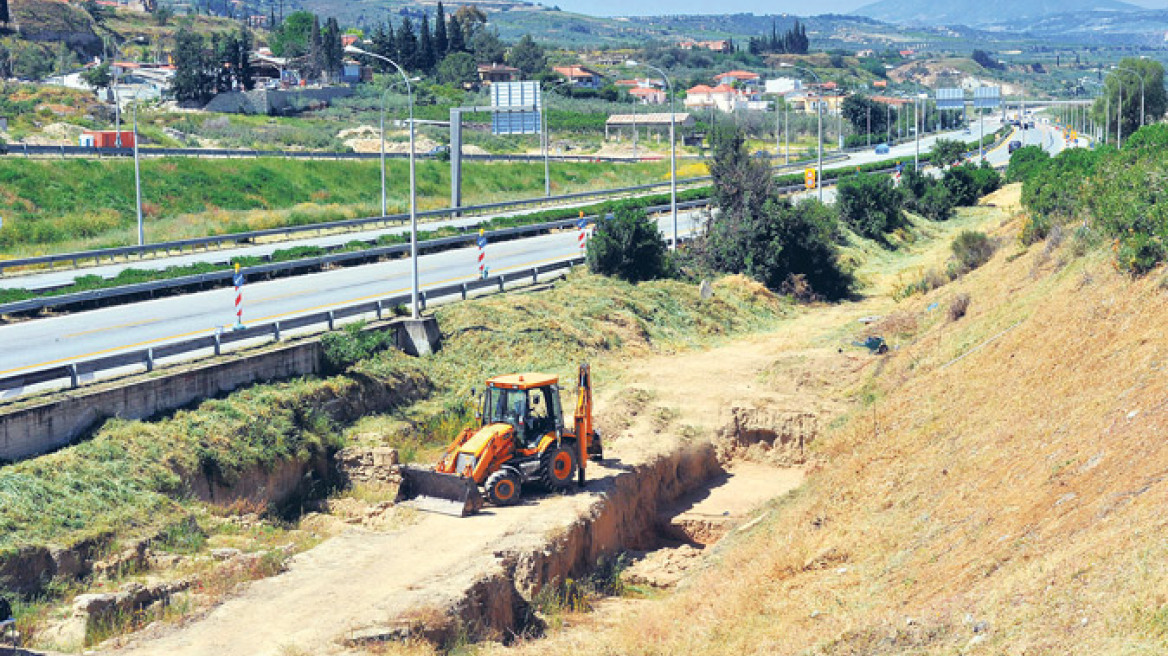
column 53, row 202
column 589, row 317
column 1011, row 501
column 135, row 476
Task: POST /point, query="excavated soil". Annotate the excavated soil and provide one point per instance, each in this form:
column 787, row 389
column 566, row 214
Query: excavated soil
column 695, row 442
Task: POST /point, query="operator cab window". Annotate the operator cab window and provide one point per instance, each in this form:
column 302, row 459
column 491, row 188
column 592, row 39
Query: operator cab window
column 542, row 413
column 504, row 406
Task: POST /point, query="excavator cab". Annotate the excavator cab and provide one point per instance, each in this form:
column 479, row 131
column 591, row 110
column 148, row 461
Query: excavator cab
column 521, row 438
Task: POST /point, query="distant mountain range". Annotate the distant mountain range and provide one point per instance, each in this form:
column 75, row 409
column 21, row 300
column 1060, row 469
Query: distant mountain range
column 983, row 12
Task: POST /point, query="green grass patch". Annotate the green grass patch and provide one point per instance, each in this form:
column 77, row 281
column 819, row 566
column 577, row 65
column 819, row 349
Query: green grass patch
column 46, row 203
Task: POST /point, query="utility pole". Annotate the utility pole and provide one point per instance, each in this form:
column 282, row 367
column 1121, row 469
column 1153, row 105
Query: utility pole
column 786, row 135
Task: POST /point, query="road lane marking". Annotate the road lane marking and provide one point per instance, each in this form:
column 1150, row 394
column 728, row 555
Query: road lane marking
column 102, row 330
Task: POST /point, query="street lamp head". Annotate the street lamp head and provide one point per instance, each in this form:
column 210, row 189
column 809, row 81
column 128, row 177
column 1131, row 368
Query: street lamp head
column 354, row 50
column 786, row 65
column 632, row 63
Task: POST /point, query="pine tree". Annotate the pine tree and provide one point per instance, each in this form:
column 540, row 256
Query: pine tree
column 426, row 59
column 407, row 45
column 774, row 44
column 455, row 42
column 4, row 17
column 440, row 41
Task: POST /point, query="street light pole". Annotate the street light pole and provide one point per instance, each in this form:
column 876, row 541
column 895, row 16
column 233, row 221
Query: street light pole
column 413, row 177
column 138, row 178
column 384, row 210
column 786, row 134
column 917, row 130
column 869, row 106
column 672, row 147
column 1119, row 118
column 819, row 114
column 547, row 171
column 981, row 135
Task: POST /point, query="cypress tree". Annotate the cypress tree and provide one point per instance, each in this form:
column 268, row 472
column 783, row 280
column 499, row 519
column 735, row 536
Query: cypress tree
column 315, row 50
column 455, row 42
column 385, row 45
column 243, row 64
column 426, row 58
column 407, row 45
column 440, row 41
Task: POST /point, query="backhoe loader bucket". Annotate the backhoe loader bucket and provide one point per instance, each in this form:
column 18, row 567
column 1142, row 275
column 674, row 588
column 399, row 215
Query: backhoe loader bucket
column 448, row 494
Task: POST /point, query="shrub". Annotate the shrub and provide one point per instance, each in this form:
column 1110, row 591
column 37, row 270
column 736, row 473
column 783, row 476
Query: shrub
column 958, row 306
column 765, row 236
column 870, row 205
column 351, row 344
column 987, row 178
column 972, row 249
column 1035, row 228
column 961, row 184
column 1025, row 162
column 628, row 246
column 947, row 151
column 936, row 204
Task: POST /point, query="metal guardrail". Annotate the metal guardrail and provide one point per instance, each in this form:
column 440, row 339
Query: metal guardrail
column 281, row 268
column 149, row 357
column 348, row 224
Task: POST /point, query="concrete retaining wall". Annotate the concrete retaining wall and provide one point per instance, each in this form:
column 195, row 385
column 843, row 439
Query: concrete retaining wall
column 63, row 418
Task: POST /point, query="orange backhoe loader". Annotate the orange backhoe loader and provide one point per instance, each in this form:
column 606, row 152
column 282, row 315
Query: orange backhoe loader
column 521, row 438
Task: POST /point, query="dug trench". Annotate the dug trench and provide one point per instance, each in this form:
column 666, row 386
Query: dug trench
column 661, row 498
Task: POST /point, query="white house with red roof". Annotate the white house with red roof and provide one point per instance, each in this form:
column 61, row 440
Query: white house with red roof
column 742, row 77
column 722, row 97
column 648, row 95
column 580, row 77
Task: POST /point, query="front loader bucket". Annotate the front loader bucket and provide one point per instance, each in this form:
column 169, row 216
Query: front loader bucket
column 448, row 494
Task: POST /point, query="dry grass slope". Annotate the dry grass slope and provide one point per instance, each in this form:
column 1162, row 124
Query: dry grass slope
column 1010, row 501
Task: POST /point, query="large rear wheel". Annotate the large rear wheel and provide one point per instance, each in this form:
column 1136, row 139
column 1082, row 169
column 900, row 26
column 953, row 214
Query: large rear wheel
column 558, row 467
column 503, row 488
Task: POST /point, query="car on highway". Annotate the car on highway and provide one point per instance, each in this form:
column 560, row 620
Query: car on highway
column 882, row 149
column 1014, row 145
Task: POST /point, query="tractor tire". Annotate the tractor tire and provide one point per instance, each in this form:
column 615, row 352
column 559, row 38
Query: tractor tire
column 557, row 467
column 503, row 488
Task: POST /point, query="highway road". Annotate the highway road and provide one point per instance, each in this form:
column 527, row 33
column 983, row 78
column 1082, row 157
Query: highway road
column 78, row 336
column 61, row 277
column 83, row 335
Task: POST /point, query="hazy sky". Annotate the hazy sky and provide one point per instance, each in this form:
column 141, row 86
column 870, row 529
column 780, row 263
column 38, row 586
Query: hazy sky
column 659, row 7
column 662, row 7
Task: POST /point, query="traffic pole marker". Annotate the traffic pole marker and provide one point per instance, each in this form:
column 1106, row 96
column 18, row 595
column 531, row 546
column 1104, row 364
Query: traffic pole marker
column 582, row 225
column 482, row 242
column 238, row 280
